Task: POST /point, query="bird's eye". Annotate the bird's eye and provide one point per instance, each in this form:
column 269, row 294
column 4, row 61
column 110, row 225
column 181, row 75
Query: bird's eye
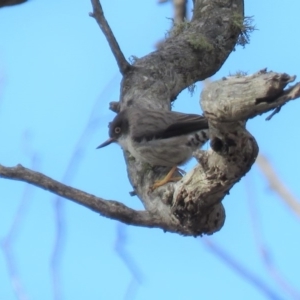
column 117, row 130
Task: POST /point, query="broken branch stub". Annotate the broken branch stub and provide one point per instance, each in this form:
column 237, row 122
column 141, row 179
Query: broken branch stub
column 228, row 104
column 239, row 98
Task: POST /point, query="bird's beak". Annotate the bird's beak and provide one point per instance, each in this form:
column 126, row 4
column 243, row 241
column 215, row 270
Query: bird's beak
column 106, row 143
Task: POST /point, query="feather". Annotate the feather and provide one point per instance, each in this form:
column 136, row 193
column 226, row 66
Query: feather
column 167, row 124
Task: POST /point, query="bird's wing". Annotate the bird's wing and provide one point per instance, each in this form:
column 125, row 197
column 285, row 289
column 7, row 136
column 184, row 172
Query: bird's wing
column 149, row 124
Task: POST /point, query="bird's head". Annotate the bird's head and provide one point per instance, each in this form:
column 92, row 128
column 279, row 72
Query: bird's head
column 118, row 128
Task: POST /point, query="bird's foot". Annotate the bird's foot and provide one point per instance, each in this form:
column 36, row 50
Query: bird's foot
column 168, row 178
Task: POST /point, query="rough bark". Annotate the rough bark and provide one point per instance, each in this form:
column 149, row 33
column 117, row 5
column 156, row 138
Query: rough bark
column 194, row 51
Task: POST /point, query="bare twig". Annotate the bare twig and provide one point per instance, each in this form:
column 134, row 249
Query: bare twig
column 98, row 15
column 291, row 93
column 137, row 276
column 58, row 245
column 277, row 185
column 8, row 241
column 58, row 202
column 240, row 269
column 180, row 11
column 107, row 208
column 264, row 252
column 180, row 15
column 7, row 247
column 274, row 112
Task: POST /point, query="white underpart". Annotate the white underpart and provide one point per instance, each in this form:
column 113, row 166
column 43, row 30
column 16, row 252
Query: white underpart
column 164, row 152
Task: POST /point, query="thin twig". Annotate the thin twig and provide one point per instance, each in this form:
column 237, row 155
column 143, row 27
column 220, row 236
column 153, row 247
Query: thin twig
column 180, row 11
column 58, row 203
column 277, row 185
column 8, row 241
column 137, row 276
column 98, row 15
column 180, row 16
column 58, row 245
column 240, row 269
column 274, row 112
column 263, row 250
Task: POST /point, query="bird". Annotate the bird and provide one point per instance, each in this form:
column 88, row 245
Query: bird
column 158, row 137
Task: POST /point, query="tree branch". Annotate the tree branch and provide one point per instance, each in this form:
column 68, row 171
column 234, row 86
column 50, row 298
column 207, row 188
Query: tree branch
column 277, row 185
column 193, row 51
column 264, row 251
column 4, row 3
column 98, row 15
column 192, row 206
column 107, row 208
column 180, row 7
column 227, row 104
column 259, row 93
column 241, row 270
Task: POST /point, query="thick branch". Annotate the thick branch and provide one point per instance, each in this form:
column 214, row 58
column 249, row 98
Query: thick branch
column 192, row 206
column 227, row 104
column 193, row 51
column 98, row 14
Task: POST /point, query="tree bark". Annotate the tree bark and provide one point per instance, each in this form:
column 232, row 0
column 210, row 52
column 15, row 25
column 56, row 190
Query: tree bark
column 193, row 51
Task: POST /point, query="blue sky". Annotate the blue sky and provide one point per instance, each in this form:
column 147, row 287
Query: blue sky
column 57, row 74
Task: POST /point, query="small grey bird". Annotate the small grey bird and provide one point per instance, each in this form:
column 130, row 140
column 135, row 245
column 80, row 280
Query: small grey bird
column 157, row 137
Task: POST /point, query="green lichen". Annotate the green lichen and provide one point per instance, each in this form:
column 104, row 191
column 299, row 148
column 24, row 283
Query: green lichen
column 178, row 28
column 238, row 20
column 199, row 42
